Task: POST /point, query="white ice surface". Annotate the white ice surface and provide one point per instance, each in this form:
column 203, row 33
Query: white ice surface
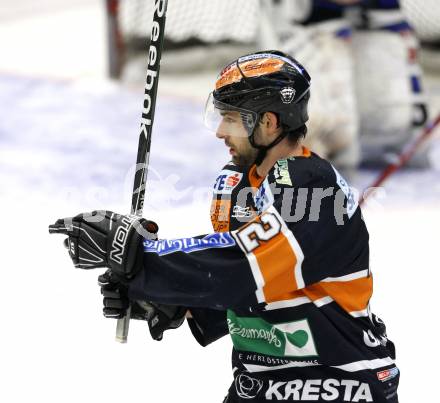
column 66, row 146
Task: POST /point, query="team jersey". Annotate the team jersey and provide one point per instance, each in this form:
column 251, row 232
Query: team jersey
column 322, row 10
column 286, row 274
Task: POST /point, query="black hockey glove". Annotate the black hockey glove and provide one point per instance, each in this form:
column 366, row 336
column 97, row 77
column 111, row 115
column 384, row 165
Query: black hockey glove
column 159, row 317
column 165, row 317
column 106, row 239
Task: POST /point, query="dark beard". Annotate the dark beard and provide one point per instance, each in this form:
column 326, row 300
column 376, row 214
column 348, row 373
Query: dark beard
column 245, row 160
column 251, row 157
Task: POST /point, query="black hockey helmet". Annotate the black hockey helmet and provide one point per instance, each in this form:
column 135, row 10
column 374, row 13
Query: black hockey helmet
column 267, row 81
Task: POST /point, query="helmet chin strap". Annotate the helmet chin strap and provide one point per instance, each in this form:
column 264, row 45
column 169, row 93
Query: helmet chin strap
column 262, row 150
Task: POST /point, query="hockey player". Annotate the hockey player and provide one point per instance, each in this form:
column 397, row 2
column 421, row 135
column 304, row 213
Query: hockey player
column 286, row 272
column 359, row 112
column 319, row 34
column 400, row 109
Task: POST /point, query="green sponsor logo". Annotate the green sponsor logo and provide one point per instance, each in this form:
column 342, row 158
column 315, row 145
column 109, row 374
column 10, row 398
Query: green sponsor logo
column 282, row 174
column 291, row 339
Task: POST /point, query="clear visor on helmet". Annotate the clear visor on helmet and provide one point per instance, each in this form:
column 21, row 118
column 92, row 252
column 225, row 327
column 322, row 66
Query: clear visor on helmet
column 229, row 120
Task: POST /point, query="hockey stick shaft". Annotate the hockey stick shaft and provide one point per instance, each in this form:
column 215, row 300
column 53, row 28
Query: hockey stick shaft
column 143, row 155
column 407, row 153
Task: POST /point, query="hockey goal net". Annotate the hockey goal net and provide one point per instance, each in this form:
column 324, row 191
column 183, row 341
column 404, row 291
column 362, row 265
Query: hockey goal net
column 215, row 23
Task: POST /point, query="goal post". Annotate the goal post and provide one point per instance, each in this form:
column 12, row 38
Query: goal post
column 115, row 39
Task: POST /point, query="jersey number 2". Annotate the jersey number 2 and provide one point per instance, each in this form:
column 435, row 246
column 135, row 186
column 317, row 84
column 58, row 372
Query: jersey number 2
column 251, row 235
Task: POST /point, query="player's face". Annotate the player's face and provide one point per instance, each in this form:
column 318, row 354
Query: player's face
column 241, row 151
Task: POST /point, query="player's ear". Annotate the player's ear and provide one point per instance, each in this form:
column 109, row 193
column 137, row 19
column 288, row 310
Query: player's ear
column 270, row 122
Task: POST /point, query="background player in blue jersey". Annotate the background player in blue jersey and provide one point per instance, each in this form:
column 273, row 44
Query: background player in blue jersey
column 368, row 83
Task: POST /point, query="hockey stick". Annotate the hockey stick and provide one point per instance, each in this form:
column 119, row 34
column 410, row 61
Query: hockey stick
column 143, row 156
column 403, row 158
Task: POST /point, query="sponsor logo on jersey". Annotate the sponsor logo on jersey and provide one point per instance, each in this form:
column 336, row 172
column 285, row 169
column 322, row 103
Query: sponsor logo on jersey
column 220, row 215
column 345, row 390
column 242, row 212
column 282, row 174
column 287, row 94
column 247, row 387
column 292, row 339
column 372, row 341
column 387, row 374
column 263, row 198
column 273, row 361
column 352, row 203
column 188, row 245
column 227, row 181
